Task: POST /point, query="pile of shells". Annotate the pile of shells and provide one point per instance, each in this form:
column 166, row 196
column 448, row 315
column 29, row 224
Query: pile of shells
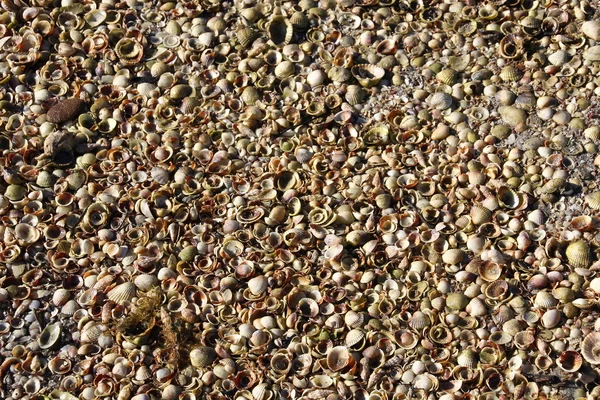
column 318, row 199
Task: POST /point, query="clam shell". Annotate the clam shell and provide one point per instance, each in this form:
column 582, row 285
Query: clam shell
column 592, row 53
column 453, row 256
column 480, row 214
column 545, row 300
column 447, row 76
column 419, row 320
column 50, row 336
column 512, row 115
column 440, row 101
column 354, row 319
column 122, row 293
column 246, row 36
column 569, row 361
column 509, row 74
column 202, row 356
column 551, row 318
column 457, row 301
column 354, row 336
column 591, row 29
column 559, row 58
column 258, row 285
column 468, row 358
column 60, row 297
column 338, row 358
column 579, row 254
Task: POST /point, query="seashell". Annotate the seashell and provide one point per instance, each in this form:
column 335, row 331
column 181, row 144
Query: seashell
column 308, row 307
column 579, row 254
column 591, row 29
column 500, row 337
column 202, row 356
column 367, row 75
column 354, row 337
column 280, row 31
column 468, row 358
column 512, row 115
column 419, row 321
column 551, row 318
column 537, row 217
column 545, row 300
column 590, row 348
column 354, row 319
column 582, row 223
column 569, row 361
column 246, row 36
column 26, row 234
column 447, row 76
column 453, row 256
column 440, row 101
column 95, row 18
column 258, row 285
column 338, row 358
column 50, row 336
column 300, row 21
column 316, row 78
column 122, row 293
column 480, row 214
column 178, row 92
column 60, row 297
column 489, row 271
column 496, row 290
column 509, row 198
column 355, row 94
column 593, row 200
column 457, row 301
column 339, row 74
column 559, row 58
column 65, row 110
column 70, row 307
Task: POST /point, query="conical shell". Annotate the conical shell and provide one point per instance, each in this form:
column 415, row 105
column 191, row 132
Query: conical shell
column 122, row 293
column 590, row 348
column 579, row 254
column 338, row 358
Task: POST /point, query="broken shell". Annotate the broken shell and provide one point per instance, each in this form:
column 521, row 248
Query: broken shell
column 50, row 336
column 338, row 358
column 368, row 75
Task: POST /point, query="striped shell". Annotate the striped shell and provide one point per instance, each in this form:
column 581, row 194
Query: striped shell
column 545, row 300
column 60, row 297
column 122, row 293
column 246, row 36
column 447, row 76
column 354, row 319
column 258, row 285
column 419, row 320
column 467, row 358
column 559, row 58
column 354, row 337
column 578, row 254
column 280, row 31
column 480, row 214
column 593, row 200
column 509, row 74
column 590, row 348
column 354, row 94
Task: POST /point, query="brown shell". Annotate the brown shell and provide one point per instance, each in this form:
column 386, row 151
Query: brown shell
column 65, row 110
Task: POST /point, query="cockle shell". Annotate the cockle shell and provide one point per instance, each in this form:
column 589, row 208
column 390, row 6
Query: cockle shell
column 338, row 358
column 202, row 356
column 579, row 254
column 122, row 293
column 593, row 200
column 590, row 348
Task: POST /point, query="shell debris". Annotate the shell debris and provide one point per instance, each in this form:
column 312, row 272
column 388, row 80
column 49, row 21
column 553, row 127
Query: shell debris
column 312, row 199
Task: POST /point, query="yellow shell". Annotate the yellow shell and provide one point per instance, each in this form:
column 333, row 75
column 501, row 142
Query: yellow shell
column 447, row 76
column 480, row 214
column 578, row 254
column 593, row 200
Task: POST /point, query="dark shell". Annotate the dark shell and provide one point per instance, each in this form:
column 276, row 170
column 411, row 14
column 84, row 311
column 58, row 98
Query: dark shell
column 65, row 110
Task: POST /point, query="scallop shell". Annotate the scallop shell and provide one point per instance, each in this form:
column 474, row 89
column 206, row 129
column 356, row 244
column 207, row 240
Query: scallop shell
column 246, row 36
column 338, row 358
column 509, row 74
column 122, row 293
column 593, row 200
column 579, row 254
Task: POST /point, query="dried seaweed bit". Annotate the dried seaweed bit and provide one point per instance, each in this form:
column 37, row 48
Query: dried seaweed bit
column 65, row 110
